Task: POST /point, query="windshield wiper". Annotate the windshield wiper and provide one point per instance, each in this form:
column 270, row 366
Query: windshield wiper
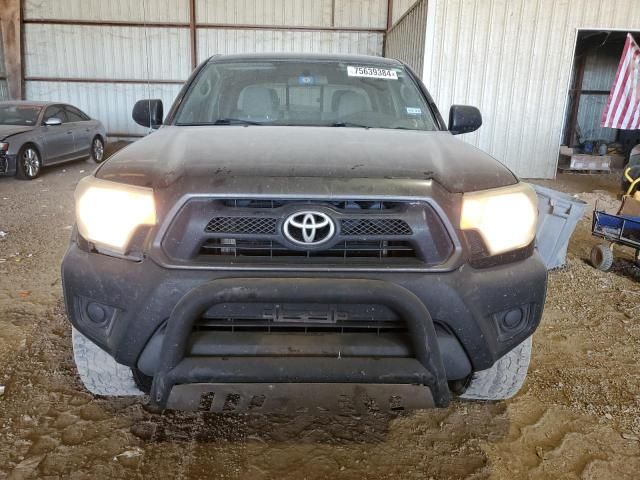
column 349, row 124
column 234, row 121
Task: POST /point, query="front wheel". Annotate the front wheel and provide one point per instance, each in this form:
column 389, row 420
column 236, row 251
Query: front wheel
column 29, row 163
column 97, row 150
column 99, row 372
column 504, row 379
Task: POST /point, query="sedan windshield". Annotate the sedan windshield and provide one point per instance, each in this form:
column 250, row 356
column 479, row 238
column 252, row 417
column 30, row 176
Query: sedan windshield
column 313, row 93
column 22, row 115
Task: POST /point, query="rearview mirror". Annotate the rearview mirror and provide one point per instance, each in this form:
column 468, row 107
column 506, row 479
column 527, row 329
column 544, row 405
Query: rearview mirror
column 464, row 119
column 50, row 122
column 148, row 113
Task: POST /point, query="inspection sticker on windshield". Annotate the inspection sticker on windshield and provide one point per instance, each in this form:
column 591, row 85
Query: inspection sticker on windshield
column 414, row 111
column 372, row 72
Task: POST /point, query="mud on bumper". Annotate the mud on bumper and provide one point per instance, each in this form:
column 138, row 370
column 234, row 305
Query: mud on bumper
column 143, row 314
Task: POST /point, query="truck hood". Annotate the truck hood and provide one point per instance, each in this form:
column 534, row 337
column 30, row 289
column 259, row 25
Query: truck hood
column 173, row 153
column 9, row 130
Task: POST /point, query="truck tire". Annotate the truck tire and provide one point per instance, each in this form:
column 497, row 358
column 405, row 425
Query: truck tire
column 99, row 372
column 504, row 379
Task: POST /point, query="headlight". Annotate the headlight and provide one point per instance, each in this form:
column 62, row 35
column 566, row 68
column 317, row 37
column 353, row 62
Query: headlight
column 505, row 217
column 4, row 146
column 108, row 213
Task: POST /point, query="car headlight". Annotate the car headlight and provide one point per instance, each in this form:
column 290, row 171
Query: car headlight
column 108, row 213
column 505, row 217
column 4, row 146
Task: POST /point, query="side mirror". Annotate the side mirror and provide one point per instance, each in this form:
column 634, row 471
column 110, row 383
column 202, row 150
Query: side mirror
column 148, row 113
column 53, row 121
column 464, row 119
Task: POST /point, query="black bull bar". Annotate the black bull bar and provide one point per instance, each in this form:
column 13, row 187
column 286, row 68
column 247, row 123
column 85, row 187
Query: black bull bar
column 181, row 380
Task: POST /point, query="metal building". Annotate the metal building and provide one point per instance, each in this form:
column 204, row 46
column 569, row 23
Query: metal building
column 102, row 55
column 511, row 58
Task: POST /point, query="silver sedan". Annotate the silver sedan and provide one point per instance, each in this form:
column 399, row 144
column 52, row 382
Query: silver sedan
column 34, row 135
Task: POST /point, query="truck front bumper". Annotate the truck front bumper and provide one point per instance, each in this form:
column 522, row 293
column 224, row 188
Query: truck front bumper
column 459, row 320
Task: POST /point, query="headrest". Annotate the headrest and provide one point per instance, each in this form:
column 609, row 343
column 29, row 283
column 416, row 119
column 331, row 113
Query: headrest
column 350, row 103
column 259, row 102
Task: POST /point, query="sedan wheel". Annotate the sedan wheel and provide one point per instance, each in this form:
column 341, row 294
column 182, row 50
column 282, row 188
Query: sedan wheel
column 29, row 163
column 97, row 150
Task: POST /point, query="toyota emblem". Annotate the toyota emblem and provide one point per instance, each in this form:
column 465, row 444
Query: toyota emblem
column 309, row 228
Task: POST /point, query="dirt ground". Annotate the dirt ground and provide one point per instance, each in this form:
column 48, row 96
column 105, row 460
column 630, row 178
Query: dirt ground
column 578, row 415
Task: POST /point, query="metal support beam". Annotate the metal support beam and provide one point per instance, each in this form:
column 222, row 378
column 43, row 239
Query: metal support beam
column 389, row 14
column 221, row 26
column 105, row 80
column 12, row 42
column 192, row 34
column 571, row 134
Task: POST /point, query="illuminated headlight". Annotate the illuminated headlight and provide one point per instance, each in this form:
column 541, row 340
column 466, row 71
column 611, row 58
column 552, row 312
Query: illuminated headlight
column 108, row 213
column 505, row 217
column 4, row 146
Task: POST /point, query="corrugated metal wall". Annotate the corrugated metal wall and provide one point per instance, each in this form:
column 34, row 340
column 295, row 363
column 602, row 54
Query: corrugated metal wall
column 400, row 7
column 90, row 52
column 103, row 69
column 331, row 14
column 108, row 10
column 406, row 39
column 513, row 59
column 212, row 41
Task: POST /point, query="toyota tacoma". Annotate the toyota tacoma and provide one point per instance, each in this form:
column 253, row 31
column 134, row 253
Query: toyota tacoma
column 303, row 230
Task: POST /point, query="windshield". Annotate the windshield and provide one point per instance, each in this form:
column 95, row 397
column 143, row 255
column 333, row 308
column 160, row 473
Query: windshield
column 314, row 93
column 24, row 115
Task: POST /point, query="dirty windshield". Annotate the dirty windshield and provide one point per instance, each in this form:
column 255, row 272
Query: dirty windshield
column 332, row 94
column 23, row 115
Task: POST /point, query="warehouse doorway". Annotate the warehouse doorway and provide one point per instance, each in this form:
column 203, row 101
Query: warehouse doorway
column 596, row 58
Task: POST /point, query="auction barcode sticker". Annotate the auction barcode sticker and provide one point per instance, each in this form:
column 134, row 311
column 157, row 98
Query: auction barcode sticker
column 372, row 72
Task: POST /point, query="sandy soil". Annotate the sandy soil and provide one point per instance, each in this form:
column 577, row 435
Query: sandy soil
column 578, row 415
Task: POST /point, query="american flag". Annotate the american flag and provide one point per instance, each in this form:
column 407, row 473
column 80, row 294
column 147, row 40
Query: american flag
column 623, row 107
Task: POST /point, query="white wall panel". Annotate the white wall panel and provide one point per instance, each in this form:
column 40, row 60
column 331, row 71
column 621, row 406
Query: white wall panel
column 513, row 59
column 400, row 7
column 211, row 42
column 106, row 52
column 361, row 13
column 312, row 13
column 109, row 103
column 108, row 10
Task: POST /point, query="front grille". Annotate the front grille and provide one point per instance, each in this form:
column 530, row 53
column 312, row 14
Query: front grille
column 248, row 232
column 267, row 226
column 4, row 164
column 377, row 249
column 246, row 225
column 365, row 227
